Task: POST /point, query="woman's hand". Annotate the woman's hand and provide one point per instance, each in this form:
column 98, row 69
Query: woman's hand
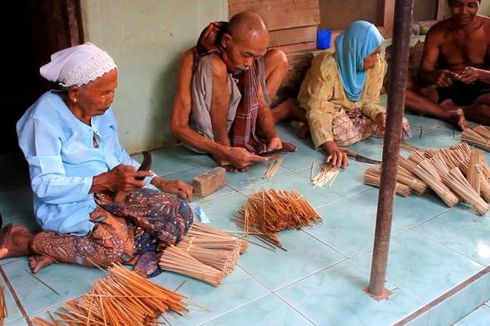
column 120, row 178
column 381, row 122
column 177, row 187
column 336, row 156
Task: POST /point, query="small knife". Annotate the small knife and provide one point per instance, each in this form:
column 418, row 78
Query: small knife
column 360, row 158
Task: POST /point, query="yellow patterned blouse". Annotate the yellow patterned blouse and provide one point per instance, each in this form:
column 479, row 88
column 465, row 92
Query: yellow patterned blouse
column 322, row 95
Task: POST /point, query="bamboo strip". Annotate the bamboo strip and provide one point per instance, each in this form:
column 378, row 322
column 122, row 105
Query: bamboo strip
column 460, row 185
column 373, row 177
column 405, row 177
column 475, row 171
column 270, row 211
column 474, row 138
column 272, row 168
column 482, row 131
column 177, row 260
column 326, row 176
column 121, row 298
column 3, row 306
column 429, row 174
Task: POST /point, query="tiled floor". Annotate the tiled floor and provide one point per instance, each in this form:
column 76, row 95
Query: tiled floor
column 321, row 277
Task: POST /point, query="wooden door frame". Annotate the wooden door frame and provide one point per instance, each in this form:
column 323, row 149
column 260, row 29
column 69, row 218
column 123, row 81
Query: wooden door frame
column 389, row 15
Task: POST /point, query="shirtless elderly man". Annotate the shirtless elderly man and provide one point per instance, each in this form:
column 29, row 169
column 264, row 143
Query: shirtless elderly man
column 456, row 66
column 222, row 105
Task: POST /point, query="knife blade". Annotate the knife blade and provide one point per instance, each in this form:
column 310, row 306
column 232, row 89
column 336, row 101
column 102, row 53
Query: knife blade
column 361, row 158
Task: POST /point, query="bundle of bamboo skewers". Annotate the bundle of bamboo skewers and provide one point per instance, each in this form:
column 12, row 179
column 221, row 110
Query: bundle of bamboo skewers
column 454, row 174
column 175, row 259
column 478, row 136
column 372, row 177
column 204, row 253
column 269, row 211
column 123, row 297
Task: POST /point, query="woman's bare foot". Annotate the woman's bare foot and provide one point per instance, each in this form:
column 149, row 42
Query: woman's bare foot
column 303, row 132
column 38, row 262
column 15, row 240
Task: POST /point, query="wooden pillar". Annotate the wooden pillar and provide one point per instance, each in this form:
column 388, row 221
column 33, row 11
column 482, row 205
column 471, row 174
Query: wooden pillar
column 391, row 146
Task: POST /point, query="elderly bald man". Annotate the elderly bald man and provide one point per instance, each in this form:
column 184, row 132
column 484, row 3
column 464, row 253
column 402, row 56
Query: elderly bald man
column 226, row 84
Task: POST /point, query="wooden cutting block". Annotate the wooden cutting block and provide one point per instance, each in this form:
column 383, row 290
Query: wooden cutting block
column 210, row 181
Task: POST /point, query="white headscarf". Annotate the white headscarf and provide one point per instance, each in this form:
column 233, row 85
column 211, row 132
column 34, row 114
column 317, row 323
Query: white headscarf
column 77, row 65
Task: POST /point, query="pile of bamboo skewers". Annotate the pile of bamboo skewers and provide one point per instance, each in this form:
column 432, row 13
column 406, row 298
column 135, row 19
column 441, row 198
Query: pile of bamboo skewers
column 204, row 253
column 123, row 297
column 479, row 136
column 269, row 211
column 454, row 174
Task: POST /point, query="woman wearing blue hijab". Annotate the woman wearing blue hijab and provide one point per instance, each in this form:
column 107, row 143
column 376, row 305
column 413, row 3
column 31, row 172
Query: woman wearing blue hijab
column 340, row 92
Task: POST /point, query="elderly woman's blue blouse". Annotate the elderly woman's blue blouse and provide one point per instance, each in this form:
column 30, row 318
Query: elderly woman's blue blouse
column 63, row 161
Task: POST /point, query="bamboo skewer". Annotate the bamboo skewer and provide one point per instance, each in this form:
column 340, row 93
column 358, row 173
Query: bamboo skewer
column 482, row 131
column 203, row 228
column 122, row 297
column 429, row 174
column 455, row 179
column 175, row 259
column 472, row 137
column 454, row 173
column 373, row 177
column 3, row 306
column 405, row 177
column 272, row 168
column 475, row 171
column 326, row 176
column 411, row 148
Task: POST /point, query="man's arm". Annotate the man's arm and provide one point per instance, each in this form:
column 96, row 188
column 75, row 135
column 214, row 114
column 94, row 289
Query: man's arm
column 181, row 111
column 220, row 102
column 428, row 71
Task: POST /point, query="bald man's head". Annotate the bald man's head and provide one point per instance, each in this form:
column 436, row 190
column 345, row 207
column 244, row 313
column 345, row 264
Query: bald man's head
column 247, row 25
column 246, row 38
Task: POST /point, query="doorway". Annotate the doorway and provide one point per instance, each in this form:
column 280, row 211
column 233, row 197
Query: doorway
column 33, row 30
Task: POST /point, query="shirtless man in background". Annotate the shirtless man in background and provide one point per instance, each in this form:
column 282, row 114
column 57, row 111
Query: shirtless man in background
column 454, row 76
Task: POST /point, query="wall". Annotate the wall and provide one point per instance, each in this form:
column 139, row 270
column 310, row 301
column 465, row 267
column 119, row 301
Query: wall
column 484, row 8
column 146, row 39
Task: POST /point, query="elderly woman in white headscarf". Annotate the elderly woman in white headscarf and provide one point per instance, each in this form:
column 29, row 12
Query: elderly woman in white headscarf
column 70, row 141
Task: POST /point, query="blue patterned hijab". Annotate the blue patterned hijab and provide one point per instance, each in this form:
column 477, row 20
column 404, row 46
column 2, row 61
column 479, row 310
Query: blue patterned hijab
column 357, row 42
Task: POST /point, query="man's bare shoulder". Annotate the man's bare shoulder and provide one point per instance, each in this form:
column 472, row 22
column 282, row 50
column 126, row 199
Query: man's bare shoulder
column 218, row 66
column 485, row 21
column 187, row 58
column 439, row 28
